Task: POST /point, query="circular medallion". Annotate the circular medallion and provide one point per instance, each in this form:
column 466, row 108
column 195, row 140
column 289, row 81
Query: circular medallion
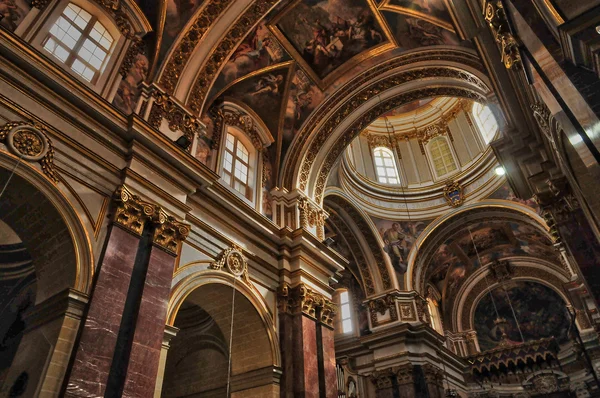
column 236, row 263
column 27, row 142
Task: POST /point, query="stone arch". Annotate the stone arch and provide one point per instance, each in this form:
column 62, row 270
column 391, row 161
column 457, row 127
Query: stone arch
column 255, row 356
column 345, row 114
column 443, row 227
column 375, row 261
column 61, row 255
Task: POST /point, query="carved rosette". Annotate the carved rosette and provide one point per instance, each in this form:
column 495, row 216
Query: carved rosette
column 302, row 299
column 132, row 213
column 30, row 142
column 233, row 261
column 495, row 16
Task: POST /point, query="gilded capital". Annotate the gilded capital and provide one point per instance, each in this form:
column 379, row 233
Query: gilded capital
column 302, row 299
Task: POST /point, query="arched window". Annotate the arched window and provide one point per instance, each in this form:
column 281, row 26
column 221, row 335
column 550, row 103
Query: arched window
column 485, row 120
column 346, row 316
column 385, row 166
column 441, row 156
column 236, row 165
column 80, row 41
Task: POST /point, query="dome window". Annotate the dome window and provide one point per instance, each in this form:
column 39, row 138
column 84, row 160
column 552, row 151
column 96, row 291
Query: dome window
column 385, row 166
column 486, row 122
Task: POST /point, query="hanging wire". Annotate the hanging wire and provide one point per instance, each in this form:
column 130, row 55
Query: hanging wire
column 485, row 275
column 11, row 175
column 230, row 338
column 514, row 315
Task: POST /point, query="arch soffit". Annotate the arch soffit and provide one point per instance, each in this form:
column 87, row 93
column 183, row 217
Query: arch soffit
column 524, row 269
column 372, row 240
column 445, row 226
column 346, row 113
column 84, row 258
column 203, row 278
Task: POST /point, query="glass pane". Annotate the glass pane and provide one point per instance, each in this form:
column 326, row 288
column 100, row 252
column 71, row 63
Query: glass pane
column 345, row 311
column 343, row 297
column 230, row 141
column 347, row 326
column 378, row 161
column 88, row 74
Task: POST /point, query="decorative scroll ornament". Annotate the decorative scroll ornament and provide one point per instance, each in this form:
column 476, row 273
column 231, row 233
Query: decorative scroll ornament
column 132, row 213
column 179, row 119
column 380, row 306
column 453, row 192
column 30, row 142
column 302, row 299
column 495, row 16
column 234, row 262
column 312, row 216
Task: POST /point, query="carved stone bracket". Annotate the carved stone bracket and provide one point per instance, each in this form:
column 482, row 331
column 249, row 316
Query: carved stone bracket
column 302, row 299
column 380, row 306
column 234, row 261
column 179, row 118
column 495, row 16
column 30, row 142
column 312, row 216
column 132, row 213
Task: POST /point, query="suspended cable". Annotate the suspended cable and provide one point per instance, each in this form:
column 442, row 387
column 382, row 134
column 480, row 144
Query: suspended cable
column 514, row 315
column 485, row 275
column 230, row 337
column 11, row 175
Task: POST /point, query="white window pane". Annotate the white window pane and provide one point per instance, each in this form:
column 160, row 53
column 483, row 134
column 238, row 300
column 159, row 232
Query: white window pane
column 106, row 42
column 70, row 12
column 388, row 162
column 378, row 161
column 393, row 181
column 96, row 63
column 381, row 171
column 227, row 166
column 61, row 53
column 344, row 297
column 228, row 157
column 230, row 142
column 347, row 326
column 88, row 74
column 345, row 311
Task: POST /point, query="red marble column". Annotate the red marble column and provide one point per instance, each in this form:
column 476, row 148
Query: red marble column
column 144, row 358
column 96, row 347
column 327, row 342
column 306, row 369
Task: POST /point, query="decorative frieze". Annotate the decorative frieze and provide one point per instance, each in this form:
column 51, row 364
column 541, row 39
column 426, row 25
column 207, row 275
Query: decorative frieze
column 302, row 299
column 132, row 213
column 30, row 142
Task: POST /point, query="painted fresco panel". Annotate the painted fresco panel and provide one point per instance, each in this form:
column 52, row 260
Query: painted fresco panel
column 12, row 13
column 505, row 193
column 328, row 33
column 411, row 32
column 177, row 16
column 429, row 8
column 128, row 92
column 539, row 310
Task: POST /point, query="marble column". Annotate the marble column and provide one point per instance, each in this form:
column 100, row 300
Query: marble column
column 93, row 359
column 328, row 357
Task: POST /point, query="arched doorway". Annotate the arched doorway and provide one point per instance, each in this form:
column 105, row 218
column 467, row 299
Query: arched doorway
column 45, row 276
column 200, row 354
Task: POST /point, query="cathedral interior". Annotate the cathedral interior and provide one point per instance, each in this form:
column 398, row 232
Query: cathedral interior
column 299, row 198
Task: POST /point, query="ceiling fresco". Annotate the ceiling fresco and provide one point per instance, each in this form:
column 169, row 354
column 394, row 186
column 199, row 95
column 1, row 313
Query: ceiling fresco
column 463, row 253
column 539, row 312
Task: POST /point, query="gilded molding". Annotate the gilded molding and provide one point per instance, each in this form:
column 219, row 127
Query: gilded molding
column 179, row 119
column 30, row 141
column 372, row 242
column 182, row 53
column 133, row 213
column 379, row 306
column 304, row 300
column 234, row 261
column 312, row 216
column 495, row 16
column 361, row 123
column 136, row 47
column 364, row 94
column 209, row 71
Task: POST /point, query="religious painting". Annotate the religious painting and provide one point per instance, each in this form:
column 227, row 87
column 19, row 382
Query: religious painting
column 326, row 34
column 12, row 13
column 411, row 32
column 398, row 238
column 177, row 15
column 263, row 93
column 539, row 312
column 267, row 185
column 205, row 142
column 410, row 107
column 258, row 50
column 434, row 11
column 128, row 93
column 484, row 237
column 303, row 97
column 505, row 193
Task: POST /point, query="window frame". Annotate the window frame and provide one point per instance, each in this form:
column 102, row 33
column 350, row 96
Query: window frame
column 394, row 167
column 431, row 158
column 486, row 136
column 252, row 164
column 108, row 78
column 349, row 318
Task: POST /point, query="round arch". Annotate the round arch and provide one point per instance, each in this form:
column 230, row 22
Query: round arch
column 28, row 178
column 443, row 227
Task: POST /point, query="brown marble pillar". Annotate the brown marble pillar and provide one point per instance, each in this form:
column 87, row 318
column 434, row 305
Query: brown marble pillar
column 307, row 345
column 126, row 316
column 405, row 381
column 384, row 383
column 91, row 368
